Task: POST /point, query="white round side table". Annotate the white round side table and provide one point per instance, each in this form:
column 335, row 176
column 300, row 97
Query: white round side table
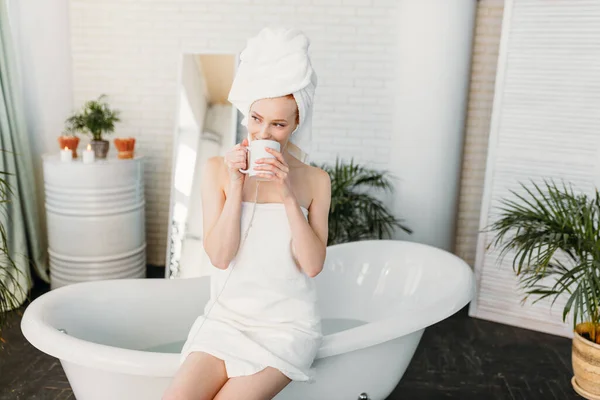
column 95, row 217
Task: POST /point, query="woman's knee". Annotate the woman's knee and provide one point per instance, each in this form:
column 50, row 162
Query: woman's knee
column 265, row 384
column 199, row 378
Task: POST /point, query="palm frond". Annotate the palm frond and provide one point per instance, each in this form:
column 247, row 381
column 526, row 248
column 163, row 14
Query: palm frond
column 9, row 272
column 355, row 212
column 540, row 226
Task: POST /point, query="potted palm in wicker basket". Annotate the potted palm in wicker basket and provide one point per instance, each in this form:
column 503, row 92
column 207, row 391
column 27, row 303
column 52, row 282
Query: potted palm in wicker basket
column 355, row 212
column 555, row 236
column 95, row 118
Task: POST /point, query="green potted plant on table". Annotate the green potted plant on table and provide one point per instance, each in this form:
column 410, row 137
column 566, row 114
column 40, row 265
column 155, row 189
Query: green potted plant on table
column 95, row 118
column 555, row 236
column 355, row 213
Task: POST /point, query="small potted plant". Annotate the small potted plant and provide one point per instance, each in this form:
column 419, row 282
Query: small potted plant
column 68, row 140
column 125, row 147
column 95, row 118
column 555, row 236
column 355, row 213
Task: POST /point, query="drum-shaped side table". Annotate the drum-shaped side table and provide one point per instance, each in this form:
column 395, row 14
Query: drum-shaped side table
column 95, row 217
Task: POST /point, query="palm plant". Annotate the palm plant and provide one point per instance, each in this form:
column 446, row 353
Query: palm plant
column 95, row 118
column 355, row 214
column 545, row 227
column 9, row 283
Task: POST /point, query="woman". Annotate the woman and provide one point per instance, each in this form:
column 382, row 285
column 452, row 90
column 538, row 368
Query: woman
column 262, row 329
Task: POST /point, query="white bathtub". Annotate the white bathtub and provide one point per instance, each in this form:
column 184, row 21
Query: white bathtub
column 376, row 299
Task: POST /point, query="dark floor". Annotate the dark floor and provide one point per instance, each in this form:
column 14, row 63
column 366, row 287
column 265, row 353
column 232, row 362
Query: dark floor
column 459, row 358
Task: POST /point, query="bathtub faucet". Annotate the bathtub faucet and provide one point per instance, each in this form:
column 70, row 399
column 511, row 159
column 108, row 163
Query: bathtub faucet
column 363, row 396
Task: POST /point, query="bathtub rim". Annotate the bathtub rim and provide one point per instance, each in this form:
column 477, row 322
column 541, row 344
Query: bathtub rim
column 386, row 329
column 50, row 340
column 65, row 347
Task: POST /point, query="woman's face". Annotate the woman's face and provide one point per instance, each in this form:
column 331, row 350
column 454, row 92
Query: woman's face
column 273, row 119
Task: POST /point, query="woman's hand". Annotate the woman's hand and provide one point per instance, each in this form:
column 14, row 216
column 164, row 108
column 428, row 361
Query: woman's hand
column 235, row 159
column 280, row 170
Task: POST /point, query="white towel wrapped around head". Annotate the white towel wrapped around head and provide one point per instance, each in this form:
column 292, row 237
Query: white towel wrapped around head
column 275, row 63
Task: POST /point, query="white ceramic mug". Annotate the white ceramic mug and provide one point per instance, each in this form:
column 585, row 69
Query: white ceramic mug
column 256, row 150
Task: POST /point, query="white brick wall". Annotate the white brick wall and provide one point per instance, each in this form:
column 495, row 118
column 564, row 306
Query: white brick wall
column 129, row 49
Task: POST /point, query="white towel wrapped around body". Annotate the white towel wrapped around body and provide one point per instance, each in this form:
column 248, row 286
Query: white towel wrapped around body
column 267, row 313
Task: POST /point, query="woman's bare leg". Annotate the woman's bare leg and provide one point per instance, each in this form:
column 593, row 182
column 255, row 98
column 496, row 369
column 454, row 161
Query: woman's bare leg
column 263, row 385
column 200, row 377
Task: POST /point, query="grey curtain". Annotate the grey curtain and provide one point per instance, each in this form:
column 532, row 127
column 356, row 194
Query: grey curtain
column 24, row 246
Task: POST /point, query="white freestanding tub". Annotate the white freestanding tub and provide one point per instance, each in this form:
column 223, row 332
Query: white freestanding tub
column 119, row 339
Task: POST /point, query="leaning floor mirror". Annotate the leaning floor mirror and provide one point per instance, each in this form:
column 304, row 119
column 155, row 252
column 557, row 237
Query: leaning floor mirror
column 206, row 126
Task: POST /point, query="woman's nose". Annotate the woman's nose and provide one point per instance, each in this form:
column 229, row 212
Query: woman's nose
column 264, row 132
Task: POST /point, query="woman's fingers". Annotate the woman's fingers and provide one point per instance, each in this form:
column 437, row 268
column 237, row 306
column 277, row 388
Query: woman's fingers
column 236, row 159
column 276, row 171
column 273, row 162
column 237, row 155
column 277, row 154
column 237, row 164
column 266, row 176
column 266, row 168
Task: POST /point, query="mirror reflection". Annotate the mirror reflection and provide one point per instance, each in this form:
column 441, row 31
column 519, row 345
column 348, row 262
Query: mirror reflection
column 207, row 124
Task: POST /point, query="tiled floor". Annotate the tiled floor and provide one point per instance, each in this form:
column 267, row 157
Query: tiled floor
column 459, row 358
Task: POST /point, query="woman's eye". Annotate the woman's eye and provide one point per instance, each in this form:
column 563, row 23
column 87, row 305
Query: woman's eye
column 254, row 118
column 279, row 125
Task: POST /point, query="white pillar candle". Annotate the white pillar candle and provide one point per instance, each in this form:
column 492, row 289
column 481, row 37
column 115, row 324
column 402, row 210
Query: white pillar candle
column 88, row 155
column 66, row 154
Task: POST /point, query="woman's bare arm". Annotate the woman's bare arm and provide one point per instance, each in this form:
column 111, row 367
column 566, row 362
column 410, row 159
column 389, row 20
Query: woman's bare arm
column 309, row 238
column 221, row 223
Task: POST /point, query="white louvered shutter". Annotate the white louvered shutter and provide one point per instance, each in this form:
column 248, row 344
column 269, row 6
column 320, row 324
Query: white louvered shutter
column 545, row 124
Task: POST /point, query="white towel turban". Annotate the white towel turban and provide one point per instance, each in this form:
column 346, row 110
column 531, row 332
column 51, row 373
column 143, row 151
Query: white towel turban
column 275, row 63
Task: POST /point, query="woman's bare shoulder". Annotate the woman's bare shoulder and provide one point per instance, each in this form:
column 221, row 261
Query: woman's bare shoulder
column 318, row 174
column 320, row 183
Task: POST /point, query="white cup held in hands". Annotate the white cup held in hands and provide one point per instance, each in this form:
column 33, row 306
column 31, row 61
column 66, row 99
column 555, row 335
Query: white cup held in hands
column 256, row 151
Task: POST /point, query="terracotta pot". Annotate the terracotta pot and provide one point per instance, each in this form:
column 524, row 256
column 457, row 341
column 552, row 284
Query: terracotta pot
column 585, row 358
column 125, row 147
column 70, row 142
